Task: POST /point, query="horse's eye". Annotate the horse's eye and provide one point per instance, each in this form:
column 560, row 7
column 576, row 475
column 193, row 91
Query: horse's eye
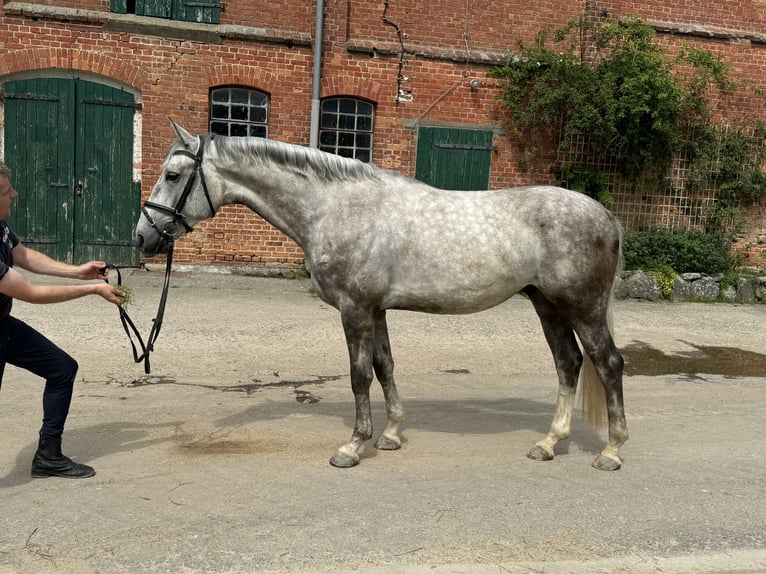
column 171, row 176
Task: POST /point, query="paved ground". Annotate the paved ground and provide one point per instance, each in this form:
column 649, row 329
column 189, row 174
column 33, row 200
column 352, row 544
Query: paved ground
column 218, row 461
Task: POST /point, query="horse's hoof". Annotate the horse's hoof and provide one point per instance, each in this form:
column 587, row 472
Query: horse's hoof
column 344, row 458
column 606, row 463
column 388, row 443
column 539, row 453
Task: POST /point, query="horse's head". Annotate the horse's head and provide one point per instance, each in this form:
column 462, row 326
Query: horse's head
column 180, row 197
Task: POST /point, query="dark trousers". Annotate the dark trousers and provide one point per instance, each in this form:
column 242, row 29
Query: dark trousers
column 22, row 346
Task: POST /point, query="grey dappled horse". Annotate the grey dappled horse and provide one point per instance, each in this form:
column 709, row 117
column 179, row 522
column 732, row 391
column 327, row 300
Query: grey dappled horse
column 376, row 240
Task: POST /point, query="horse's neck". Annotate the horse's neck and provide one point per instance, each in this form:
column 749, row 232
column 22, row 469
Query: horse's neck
column 287, row 201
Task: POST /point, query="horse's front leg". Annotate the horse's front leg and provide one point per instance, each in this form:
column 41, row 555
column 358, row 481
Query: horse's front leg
column 359, row 328
column 383, row 363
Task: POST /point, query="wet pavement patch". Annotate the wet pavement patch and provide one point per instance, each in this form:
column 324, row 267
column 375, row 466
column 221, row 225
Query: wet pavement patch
column 221, row 447
column 297, row 383
column 643, row 359
column 249, row 388
column 306, row 397
column 151, row 380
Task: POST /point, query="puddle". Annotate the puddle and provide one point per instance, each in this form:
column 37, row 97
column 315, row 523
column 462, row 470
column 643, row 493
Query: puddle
column 643, row 359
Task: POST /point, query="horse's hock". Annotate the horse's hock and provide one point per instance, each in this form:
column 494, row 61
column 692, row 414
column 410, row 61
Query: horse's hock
column 691, row 287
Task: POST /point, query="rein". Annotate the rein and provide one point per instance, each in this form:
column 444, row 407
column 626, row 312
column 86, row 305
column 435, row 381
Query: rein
column 167, row 232
column 129, row 326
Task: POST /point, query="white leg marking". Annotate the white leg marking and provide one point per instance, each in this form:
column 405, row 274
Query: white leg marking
column 562, row 420
column 392, row 433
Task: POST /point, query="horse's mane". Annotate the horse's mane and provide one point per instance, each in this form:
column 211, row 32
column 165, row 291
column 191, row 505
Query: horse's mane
column 297, row 159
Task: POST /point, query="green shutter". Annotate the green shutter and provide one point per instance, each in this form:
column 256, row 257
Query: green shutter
column 118, row 6
column 452, row 158
column 203, row 11
column 154, row 8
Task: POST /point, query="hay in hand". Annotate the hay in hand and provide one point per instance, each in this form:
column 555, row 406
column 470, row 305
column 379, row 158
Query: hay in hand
column 127, row 296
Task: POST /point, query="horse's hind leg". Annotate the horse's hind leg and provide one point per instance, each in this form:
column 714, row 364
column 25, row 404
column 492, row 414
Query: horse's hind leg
column 568, row 359
column 383, row 364
column 597, row 341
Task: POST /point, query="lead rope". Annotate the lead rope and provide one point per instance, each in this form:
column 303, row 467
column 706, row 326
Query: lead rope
column 130, row 326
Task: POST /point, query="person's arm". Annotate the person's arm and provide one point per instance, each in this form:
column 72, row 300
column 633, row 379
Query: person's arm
column 15, row 285
column 39, row 263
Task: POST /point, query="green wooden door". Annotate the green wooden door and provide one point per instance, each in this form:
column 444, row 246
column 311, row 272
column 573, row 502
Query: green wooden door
column 451, row 158
column 69, row 144
column 38, row 149
column 106, row 197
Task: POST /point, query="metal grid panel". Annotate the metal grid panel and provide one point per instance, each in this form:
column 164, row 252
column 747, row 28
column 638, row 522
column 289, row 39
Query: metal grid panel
column 642, row 204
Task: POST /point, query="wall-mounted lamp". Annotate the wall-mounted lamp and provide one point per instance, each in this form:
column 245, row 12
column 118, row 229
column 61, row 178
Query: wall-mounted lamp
column 475, row 84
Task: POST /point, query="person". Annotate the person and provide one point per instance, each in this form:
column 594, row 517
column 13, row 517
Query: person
column 24, row 347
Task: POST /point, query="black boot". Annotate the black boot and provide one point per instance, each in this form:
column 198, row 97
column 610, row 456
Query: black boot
column 49, row 461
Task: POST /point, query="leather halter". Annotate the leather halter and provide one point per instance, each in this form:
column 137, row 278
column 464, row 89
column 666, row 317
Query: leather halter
column 169, row 228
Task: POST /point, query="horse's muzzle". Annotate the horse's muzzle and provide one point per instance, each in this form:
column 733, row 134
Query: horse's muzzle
column 150, row 250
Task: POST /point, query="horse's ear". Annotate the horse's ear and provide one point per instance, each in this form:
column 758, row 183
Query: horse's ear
column 183, row 136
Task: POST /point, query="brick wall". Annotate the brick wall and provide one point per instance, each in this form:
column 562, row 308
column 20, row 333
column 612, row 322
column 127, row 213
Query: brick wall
column 448, row 43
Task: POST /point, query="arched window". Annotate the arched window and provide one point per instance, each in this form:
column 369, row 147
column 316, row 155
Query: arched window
column 346, row 128
column 239, row 112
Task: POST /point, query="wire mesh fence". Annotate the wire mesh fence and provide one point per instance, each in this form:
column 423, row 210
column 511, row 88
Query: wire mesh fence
column 666, row 202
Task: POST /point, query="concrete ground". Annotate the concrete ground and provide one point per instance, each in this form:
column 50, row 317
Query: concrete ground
column 217, row 462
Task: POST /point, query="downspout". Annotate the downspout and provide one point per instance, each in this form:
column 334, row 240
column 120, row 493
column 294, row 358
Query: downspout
column 314, row 135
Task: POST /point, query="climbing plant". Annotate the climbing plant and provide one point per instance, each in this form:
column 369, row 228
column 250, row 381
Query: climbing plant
column 611, row 87
column 729, row 159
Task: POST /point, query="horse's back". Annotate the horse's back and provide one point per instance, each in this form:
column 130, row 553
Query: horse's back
column 460, row 252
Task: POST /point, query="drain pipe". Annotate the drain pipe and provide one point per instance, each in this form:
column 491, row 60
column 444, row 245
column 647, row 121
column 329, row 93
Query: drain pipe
column 314, row 135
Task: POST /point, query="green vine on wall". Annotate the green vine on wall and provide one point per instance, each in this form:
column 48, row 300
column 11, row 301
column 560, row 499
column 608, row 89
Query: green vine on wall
column 611, row 87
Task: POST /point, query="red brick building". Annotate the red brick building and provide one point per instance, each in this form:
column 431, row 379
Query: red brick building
column 88, row 87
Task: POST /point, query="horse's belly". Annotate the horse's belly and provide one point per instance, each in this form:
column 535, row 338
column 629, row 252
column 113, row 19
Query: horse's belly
column 455, row 298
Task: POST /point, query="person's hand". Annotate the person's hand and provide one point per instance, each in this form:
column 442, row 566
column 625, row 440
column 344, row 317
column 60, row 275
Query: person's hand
column 110, row 292
column 93, row 270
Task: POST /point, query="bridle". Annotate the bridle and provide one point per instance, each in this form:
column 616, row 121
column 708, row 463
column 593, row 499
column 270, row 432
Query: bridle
column 166, row 232
column 169, row 228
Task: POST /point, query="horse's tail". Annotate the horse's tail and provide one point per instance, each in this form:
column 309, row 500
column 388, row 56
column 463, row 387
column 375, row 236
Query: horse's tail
column 592, row 393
